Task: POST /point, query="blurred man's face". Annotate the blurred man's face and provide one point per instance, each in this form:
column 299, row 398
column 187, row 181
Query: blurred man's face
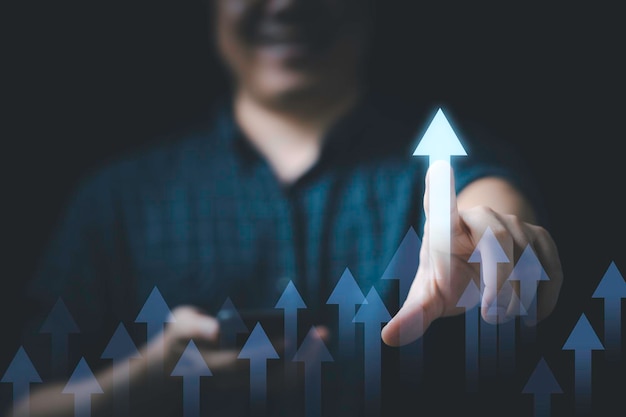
column 278, row 48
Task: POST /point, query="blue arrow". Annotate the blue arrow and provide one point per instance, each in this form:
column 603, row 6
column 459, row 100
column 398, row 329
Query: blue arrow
column 612, row 288
column 121, row 349
column 488, row 253
column 231, row 324
column 21, row 373
column 347, row 295
column 469, row 300
column 403, row 267
column 82, row 384
column 372, row 314
column 191, row 367
column 582, row 340
column 59, row 324
column 439, row 143
column 529, row 271
column 290, row 301
column 507, row 330
column 542, row 385
column 155, row 313
column 258, row 349
column 313, row 352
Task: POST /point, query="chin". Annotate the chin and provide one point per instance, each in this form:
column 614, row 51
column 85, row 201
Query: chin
column 285, row 85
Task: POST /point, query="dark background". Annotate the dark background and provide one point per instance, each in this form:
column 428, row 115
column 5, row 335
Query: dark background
column 88, row 80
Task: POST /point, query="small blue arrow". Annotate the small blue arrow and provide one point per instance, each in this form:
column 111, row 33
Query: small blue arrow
column 258, row 349
column 372, row 314
column 121, row 349
column 542, row 385
column 82, row 384
column 469, row 300
column 313, row 352
column 529, row 271
column 489, row 253
column 439, row 143
column 155, row 313
column 21, row 373
column 582, row 340
column 191, row 367
column 290, row 301
column 59, row 324
column 231, row 324
column 347, row 295
column 403, row 267
column 612, row 288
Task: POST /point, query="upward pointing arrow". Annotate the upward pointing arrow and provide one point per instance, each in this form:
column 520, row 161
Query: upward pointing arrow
column 528, row 271
column 191, row 367
column 404, row 263
column 82, row 384
column 372, row 314
column 468, row 300
column 440, row 143
column 121, row 349
column 347, row 295
column 542, row 385
column 21, row 373
column 155, row 313
column 612, row 288
column 231, row 324
column 582, row 340
column 258, row 349
column 59, row 324
column 313, row 352
column 290, row 301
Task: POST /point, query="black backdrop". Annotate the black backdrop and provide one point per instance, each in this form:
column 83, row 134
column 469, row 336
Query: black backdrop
column 89, row 80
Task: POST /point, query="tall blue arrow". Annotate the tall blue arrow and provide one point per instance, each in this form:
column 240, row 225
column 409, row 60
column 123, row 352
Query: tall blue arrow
column 403, row 267
column 121, row 349
column 439, row 143
column 59, row 324
column 82, row 384
column 155, row 313
column 488, row 253
column 231, row 324
column 528, row 271
column 313, row 352
column 469, row 300
column 21, row 373
column 612, row 288
column 542, row 385
column 290, row 301
column 191, row 367
column 347, row 295
column 372, row 314
column 258, row 349
column 582, row 340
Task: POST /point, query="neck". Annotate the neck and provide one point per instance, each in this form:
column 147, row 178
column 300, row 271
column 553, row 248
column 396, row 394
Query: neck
column 289, row 134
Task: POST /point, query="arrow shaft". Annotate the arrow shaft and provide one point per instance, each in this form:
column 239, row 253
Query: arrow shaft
column 121, row 386
column 346, row 330
column 21, row 392
column 291, row 333
column 488, row 347
column 439, row 212
column 582, row 379
column 372, row 353
column 191, row 396
column 542, row 405
column 612, row 326
column 82, row 405
column 471, row 349
column 258, row 384
column 528, row 292
column 313, row 389
column 59, row 353
column 506, row 348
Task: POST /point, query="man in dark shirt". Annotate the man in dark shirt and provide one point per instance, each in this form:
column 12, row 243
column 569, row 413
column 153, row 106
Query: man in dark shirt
column 297, row 178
